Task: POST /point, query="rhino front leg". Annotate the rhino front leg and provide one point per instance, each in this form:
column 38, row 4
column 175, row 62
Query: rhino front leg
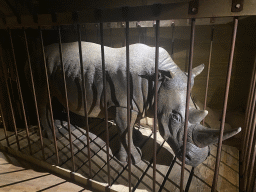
column 121, row 121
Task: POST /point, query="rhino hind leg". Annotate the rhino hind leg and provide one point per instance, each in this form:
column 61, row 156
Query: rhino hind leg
column 44, row 112
column 121, row 121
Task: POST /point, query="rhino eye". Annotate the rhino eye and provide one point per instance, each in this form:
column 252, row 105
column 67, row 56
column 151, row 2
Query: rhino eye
column 176, row 117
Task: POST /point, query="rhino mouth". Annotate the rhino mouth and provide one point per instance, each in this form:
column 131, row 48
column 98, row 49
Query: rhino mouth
column 194, row 155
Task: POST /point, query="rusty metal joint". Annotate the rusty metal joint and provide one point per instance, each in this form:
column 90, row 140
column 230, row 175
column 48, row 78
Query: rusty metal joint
column 193, row 7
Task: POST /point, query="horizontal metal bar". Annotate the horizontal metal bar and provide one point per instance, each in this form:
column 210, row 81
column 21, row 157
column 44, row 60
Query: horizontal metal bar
column 206, row 9
column 133, row 24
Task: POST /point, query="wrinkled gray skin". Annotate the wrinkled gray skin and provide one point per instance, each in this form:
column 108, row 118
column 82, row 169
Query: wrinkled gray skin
column 171, row 98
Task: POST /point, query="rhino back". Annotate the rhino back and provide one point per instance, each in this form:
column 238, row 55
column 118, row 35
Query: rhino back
column 142, row 63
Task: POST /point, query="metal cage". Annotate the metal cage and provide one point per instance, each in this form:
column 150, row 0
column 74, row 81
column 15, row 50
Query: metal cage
column 71, row 147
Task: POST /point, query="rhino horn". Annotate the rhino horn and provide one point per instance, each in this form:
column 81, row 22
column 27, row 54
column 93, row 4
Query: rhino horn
column 197, row 70
column 196, row 116
column 203, row 137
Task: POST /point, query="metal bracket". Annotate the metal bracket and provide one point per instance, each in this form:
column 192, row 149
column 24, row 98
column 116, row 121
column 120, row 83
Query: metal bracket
column 193, row 7
column 237, row 5
column 138, row 24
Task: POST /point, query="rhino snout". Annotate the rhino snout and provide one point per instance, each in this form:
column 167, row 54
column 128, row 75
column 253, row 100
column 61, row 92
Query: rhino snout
column 194, row 155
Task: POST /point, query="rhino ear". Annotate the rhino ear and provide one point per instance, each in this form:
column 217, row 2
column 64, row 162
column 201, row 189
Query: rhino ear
column 197, row 70
column 196, row 116
column 203, row 137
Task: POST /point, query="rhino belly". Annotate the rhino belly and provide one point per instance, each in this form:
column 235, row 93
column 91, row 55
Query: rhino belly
column 94, row 97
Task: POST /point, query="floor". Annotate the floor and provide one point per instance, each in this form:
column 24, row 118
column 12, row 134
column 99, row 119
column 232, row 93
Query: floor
column 168, row 167
column 19, row 175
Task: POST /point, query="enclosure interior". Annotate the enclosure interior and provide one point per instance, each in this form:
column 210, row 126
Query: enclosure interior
column 175, row 38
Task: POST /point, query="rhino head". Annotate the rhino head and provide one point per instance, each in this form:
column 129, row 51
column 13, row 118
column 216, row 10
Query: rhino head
column 171, row 119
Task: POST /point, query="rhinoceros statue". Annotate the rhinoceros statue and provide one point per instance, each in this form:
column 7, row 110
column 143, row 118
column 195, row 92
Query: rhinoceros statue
column 171, row 88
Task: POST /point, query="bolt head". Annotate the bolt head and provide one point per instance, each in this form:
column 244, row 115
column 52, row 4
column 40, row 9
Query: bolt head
column 238, row 5
column 194, row 9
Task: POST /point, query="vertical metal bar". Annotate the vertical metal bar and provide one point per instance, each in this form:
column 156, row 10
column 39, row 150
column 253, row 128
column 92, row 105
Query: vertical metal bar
column 248, row 116
column 1, row 113
column 218, row 157
column 208, row 72
column 252, row 136
column 128, row 102
column 250, row 130
column 84, row 100
column 248, row 113
column 191, row 53
column 20, row 92
column 246, row 134
column 254, row 185
column 5, row 129
column 156, row 98
column 49, row 97
column 172, row 44
column 34, row 93
column 105, row 100
column 11, row 106
column 249, row 181
column 66, row 100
